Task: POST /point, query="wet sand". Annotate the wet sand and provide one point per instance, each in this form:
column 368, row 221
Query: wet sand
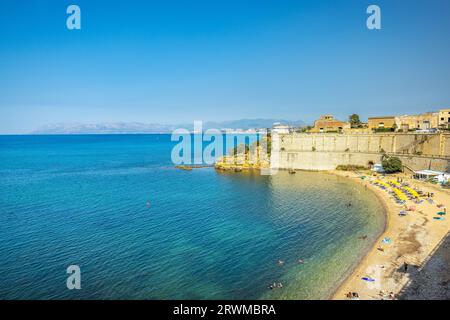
column 416, row 239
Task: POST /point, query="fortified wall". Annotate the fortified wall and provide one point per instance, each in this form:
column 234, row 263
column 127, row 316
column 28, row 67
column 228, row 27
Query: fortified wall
column 325, row 151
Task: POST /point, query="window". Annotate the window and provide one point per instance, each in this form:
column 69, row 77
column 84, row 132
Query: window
column 381, row 125
column 442, row 119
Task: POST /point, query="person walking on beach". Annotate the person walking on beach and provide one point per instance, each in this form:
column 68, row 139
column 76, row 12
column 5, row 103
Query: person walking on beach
column 405, row 267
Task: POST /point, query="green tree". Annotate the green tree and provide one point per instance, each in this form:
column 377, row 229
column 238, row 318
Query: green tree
column 304, row 129
column 391, row 164
column 354, row 120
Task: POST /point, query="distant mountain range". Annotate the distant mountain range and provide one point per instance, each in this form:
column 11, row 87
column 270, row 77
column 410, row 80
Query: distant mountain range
column 138, row 127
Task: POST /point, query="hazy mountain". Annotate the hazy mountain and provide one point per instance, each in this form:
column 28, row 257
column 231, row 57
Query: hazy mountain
column 104, row 128
column 138, row 127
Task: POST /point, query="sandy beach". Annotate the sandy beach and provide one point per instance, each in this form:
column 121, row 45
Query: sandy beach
column 417, row 240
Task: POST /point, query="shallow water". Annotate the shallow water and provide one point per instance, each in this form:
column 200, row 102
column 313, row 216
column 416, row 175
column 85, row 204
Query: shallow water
column 82, row 200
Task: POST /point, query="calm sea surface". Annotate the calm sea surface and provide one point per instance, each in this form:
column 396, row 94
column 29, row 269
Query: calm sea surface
column 83, row 200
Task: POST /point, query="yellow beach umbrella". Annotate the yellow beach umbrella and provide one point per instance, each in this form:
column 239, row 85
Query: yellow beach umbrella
column 411, row 191
column 400, row 195
column 394, row 183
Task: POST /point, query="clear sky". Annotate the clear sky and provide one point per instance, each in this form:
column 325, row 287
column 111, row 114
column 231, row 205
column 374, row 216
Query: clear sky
column 177, row 61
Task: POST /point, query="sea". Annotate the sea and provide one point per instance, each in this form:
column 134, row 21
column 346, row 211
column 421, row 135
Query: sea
column 139, row 228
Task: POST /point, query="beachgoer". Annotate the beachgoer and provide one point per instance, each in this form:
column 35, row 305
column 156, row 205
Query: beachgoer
column 405, row 267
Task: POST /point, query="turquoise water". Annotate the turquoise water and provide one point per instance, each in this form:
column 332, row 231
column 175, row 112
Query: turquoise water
column 82, row 200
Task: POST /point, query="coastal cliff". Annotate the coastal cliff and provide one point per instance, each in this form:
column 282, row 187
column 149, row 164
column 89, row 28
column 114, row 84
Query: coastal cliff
column 246, row 157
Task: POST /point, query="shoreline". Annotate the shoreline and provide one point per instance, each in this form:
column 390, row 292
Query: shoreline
column 414, row 240
column 378, row 238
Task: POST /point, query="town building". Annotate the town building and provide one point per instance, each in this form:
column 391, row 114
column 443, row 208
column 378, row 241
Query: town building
column 387, row 122
column 444, row 119
column 425, row 121
column 281, row 128
column 327, row 123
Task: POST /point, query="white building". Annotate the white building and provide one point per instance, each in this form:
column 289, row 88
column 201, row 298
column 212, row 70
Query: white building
column 441, row 177
column 280, row 128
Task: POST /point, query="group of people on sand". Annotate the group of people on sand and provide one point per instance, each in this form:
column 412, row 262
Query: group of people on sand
column 384, row 296
column 352, row 295
column 355, row 296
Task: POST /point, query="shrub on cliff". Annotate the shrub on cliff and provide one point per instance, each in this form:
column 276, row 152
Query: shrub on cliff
column 392, row 164
column 350, row 167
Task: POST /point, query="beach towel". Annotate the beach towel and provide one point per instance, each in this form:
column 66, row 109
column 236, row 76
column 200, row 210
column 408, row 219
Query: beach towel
column 368, row 279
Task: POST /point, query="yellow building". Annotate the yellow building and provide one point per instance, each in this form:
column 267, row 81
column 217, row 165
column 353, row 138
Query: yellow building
column 387, row 122
column 444, row 119
column 424, row 121
column 327, row 123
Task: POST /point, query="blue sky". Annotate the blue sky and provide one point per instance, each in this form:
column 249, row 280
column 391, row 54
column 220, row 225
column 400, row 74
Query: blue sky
column 177, row 61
